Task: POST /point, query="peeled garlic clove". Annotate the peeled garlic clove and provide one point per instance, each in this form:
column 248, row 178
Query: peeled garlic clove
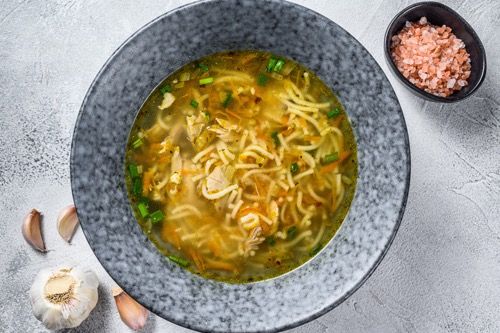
column 31, row 230
column 63, row 297
column 67, row 222
column 132, row 313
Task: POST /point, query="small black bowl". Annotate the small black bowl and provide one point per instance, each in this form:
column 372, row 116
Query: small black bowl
column 439, row 14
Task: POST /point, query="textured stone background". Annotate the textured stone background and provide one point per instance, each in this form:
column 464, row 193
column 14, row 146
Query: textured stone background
column 442, row 274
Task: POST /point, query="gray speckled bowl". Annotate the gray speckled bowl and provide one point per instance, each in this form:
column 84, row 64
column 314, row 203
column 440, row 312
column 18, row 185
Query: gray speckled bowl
column 107, row 114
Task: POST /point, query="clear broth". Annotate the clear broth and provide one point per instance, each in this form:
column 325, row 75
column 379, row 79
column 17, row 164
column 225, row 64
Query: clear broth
column 214, row 239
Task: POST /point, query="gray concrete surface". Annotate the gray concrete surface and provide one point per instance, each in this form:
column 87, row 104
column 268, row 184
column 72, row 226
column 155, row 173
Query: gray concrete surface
column 442, row 273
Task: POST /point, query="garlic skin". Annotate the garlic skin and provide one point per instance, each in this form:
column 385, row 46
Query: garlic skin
column 132, row 313
column 64, row 296
column 67, row 221
column 31, row 230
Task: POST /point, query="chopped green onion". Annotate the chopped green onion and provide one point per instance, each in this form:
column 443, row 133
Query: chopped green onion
column 206, row 80
column 156, row 216
column 287, row 69
column 166, row 88
column 346, row 180
column 179, row 261
column 143, row 209
column 193, row 103
column 333, row 113
column 271, row 64
column 294, row 168
column 137, row 143
column 133, row 171
column 331, row 157
column 276, row 139
column 203, row 67
column 179, row 85
column 279, row 65
column 137, row 186
column 291, row 232
column 315, row 250
column 185, row 77
column 144, row 199
column 207, row 115
column 227, row 100
column 262, row 80
column 271, row 241
column 276, row 76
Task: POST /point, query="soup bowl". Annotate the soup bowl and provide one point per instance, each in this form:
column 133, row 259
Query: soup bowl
column 98, row 170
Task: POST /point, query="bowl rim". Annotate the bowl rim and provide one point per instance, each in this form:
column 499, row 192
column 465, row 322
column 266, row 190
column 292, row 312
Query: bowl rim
column 389, row 240
column 408, row 84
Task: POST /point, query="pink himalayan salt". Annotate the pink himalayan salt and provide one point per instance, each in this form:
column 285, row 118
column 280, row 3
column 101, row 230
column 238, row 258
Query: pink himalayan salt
column 431, row 57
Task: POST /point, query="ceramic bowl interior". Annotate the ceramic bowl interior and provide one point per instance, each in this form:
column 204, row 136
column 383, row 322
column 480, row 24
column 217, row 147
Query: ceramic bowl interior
column 109, row 110
column 439, row 14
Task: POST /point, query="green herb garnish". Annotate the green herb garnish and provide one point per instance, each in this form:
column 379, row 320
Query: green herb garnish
column 262, row 80
column 276, row 138
column 143, row 209
column 227, row 100
column 166, row 88
column 333, row 113
column 294, row 168
column 137, row 186
column 179, row 261
column 193, row 103
column 207, row 115
column 137, row 143
column 206, row 80
column 156, row 216
column 315, row 250
column 270, row 65
column 271, row 241
column 133, row 171
column 291, row 232
column 203, row 67
column 331, row 157
column 279, row 65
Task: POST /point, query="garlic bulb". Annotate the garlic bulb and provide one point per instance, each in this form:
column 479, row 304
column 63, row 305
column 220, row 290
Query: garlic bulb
column 67, row 222
column 63, row 297
column 31, row 230
column 132, row 313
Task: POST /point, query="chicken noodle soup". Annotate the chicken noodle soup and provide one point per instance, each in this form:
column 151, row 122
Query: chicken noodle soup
column 241, row 166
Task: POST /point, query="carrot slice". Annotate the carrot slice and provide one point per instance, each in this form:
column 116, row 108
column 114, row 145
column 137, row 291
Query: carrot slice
column 312, row 138
column 197, row 260
column 168, row 234
column 333, row 165
column 188, row 172
column 235, row 93
column 212, row 245
column 146, row 183
column 233, row 114
column 337, row 120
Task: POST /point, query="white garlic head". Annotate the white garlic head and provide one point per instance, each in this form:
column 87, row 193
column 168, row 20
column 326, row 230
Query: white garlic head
column 63, row 297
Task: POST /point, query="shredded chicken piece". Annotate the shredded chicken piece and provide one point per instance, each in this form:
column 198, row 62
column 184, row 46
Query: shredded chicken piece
column 253, row 241
column 226, row 131
column 193, row 128
column 168, row 100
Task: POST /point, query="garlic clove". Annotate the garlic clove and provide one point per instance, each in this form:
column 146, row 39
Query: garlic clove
column 67, row 221
column 64, row 296
column 132, row 313
column 31, row 230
